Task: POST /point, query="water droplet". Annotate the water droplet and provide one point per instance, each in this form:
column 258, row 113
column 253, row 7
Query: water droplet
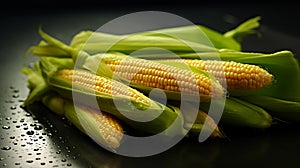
column 58, row 152
column 8, row 118
column 6, row 127
column 38, row 127
column 29, row 161
column 43, row 163
column 28, row 114
column 30, row 132
column 1, row 159
column 16, row 95
column 17, row 163
column 13, row 107
column 16, row 90
column 12, row 137
column 49, row 134
column 36, row 149
column 69, row 164
column 37, row 158
column 63, row 160
column 6, row 148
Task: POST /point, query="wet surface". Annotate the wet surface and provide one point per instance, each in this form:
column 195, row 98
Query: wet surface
column 35, row 137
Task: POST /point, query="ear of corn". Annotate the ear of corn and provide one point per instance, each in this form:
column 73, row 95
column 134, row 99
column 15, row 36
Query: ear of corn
column 100, row 126
column 104, row 129
column 135, row 105
column 234, row 75
column 242, row 114
column 145, row 75
column 283, row 66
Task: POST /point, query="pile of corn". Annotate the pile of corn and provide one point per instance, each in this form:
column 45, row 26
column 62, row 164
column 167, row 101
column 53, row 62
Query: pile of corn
column 106, row 93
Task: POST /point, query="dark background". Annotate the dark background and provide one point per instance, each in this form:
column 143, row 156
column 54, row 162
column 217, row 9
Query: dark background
column 65, row 146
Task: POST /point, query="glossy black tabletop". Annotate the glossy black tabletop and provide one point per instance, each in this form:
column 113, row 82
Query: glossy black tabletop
column 35, row 137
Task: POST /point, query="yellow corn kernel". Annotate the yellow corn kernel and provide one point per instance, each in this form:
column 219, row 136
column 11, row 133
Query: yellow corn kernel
column 235, row 75
column 100, row 84
column 166, row 77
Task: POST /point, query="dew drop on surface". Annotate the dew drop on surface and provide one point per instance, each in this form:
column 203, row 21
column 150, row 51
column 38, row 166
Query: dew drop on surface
column 16, row 95
column 13, row 107
column 28, row 114
column 6, row 127
column 6, row 148
column 29, row 161
column 43, row 163
column 38, row 127
column 69, row 164
column 30, row 132
column 17, row 163
column 12, row 137
column 63, row 160
column 8, row 118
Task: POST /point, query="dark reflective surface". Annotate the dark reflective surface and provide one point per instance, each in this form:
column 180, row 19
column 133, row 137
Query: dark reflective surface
column 35, row 137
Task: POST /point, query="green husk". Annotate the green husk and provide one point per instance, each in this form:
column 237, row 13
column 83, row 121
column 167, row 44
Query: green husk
column 167, row 38
column 245, row 29
column 240, row 113
column 285, row 110
column 54, row 102
column 35, row 83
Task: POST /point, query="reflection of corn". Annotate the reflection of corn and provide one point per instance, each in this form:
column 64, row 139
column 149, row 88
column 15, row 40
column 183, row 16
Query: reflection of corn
column 170, row 78
column 101, row 85
column 235, row 75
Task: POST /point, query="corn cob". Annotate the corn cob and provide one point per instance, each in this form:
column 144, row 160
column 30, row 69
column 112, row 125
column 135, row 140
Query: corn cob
column 146, row 74
column 101, row 85
column 99, row 126
column 235, row 75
